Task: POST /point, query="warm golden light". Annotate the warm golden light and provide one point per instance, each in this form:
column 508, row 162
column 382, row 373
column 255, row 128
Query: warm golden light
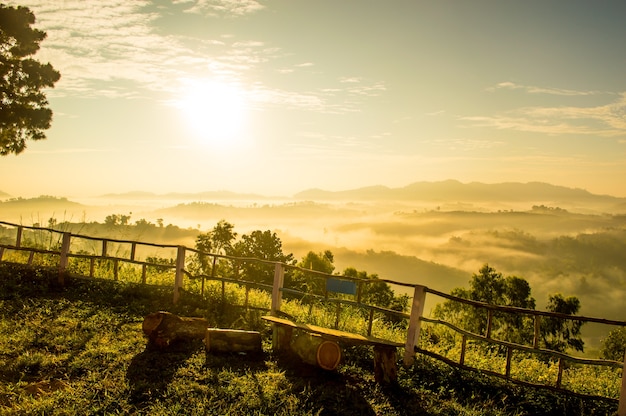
column 213, row 111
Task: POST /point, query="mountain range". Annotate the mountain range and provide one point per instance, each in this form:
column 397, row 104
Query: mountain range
column 452, row 190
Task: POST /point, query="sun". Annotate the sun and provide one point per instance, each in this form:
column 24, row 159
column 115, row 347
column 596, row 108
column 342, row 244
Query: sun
column 214, row 112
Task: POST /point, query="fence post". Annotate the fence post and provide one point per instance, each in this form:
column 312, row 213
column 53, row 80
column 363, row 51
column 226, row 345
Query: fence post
column 537, row 328
column 64, row 258
column 18, row 237
column 413, row 332
column 279, row 278
column 180, row 267
column 621, row 410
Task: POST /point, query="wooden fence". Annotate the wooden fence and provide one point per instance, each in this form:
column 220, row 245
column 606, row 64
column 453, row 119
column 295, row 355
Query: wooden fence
column 351, row 288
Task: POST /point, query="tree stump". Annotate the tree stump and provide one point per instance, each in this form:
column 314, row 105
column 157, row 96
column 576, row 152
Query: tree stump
column 315, row 350
column 281, row 337
column 163, row 328
column 232, row 340
column 385, row 364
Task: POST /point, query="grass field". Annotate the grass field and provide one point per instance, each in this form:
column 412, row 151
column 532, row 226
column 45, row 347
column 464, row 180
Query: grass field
column 79, row 350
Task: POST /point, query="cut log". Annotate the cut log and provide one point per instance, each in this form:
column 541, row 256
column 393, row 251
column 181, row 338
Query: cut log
column 385, row 364
column 163, row 328
column 281, row 337
column 232, row 340
column 315, row 350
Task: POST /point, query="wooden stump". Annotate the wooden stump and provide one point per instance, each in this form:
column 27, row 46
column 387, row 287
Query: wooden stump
column 385, row 364
column 281, row 338
column 232, row 340
column 163, row 328
column 315, row 350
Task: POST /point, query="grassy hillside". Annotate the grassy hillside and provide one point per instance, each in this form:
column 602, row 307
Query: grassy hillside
column 556, row 250
column 79, row 350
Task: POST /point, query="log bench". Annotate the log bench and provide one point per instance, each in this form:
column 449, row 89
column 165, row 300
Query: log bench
column 218, row 340
column 165, row 328
column 385, row 362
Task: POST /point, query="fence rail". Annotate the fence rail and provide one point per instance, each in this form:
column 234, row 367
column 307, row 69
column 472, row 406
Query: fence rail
column 277, row 289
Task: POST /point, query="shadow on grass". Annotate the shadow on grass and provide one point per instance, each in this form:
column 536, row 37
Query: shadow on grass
column 318, row 391
column 22, row 281
column 326, row 392
column 151, row 371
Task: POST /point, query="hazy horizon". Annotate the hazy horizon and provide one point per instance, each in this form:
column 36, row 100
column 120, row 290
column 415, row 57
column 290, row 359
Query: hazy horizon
column 227, row 194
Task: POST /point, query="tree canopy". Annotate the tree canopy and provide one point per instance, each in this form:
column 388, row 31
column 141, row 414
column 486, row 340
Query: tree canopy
column 614, row 345
column 24, row 108
column 491, row 287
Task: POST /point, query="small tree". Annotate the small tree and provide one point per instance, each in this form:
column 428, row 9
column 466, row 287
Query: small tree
column 614, row 345
column 25, row 113
column 261, row 245
column 306, row 282
column 117, row 219
column 491, row 287
column 377, row 292
column 220, row 240
column 560, row 334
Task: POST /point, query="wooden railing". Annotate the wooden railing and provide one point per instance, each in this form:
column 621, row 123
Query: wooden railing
column 510, row 347
column 355, row 288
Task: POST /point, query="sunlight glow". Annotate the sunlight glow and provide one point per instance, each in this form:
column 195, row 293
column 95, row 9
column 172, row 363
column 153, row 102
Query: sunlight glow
column 214, row 112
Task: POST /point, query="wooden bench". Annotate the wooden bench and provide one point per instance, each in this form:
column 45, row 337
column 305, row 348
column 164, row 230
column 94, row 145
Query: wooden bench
column 385, row 361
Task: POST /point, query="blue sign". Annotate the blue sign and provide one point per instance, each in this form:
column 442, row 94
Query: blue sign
column 341, row 286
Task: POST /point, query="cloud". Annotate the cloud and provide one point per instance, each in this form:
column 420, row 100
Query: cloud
column 372, row 90
column 225, row 7
column 350, row 80
column 112, row 49
column 259, row 93
column 473, row 144
column 115, row 49
column 607, row 120
column 68, row 151
column 93, row 42
column 314, row 144
column 540, row 90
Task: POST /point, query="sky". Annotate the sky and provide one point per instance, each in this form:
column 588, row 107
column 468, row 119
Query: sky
column 275, row 97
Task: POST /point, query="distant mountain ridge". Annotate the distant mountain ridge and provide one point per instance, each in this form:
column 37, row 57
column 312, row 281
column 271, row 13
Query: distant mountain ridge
column 211, row 195
column 452, row 190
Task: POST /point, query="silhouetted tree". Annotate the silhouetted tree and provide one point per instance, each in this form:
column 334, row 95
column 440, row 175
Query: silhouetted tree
column 24, row 111
column 223, row 236
column 219, row 240
column 117, row 219
column 560, row 334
